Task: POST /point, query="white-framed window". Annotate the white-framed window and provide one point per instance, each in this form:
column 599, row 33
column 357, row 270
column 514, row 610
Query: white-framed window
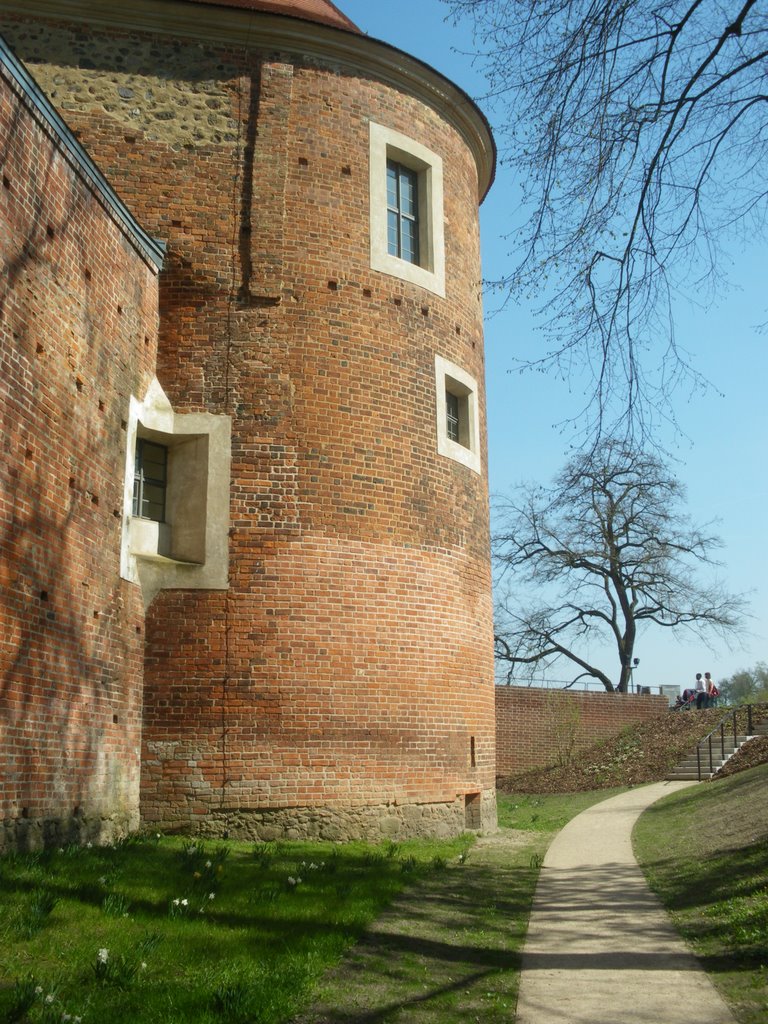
column 176, row 497
column 406, row 204
column 458, row 416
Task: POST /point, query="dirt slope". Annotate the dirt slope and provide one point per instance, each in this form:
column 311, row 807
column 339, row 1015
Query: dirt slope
column 644, row 753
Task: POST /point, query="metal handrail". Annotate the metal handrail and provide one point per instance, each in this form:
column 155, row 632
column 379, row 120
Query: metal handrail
column 720, row 728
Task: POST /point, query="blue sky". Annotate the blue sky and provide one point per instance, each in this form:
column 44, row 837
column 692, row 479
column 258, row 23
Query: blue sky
column 722, row 452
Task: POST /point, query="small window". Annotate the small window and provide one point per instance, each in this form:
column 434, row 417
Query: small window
column 458, row 418
column 458, row 410
column 175, row 497
column 402, row 212
column 150, row 480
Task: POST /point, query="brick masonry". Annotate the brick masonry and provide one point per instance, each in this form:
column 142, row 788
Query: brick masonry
column 78, row 334
column 348, row 669
column 533, row 725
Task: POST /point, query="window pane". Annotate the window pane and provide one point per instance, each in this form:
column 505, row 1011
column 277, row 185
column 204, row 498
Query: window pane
column 393, row 245
column 408, row 193
column 154, row 494
column 452, row 415
column 391, row 186
column 153, row 461
column 409, row 242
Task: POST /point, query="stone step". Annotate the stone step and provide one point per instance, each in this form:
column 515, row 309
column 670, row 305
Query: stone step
column 688, row 776
column 691, row 767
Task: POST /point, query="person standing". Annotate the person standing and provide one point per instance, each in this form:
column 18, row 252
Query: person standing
column 701, row 692
column 712, row 691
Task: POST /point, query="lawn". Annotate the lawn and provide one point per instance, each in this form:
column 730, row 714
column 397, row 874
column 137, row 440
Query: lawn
column 167, row 930
column 161, row 930
column 547, row 812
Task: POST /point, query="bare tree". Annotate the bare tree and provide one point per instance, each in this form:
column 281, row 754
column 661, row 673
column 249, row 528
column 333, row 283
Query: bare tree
column 607, row 550
column 639, row 133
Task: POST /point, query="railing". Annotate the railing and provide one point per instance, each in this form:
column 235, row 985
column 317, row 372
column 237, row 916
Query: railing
column 710, row 742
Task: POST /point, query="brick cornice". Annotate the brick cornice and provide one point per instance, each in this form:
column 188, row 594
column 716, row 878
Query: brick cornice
column 255, row 30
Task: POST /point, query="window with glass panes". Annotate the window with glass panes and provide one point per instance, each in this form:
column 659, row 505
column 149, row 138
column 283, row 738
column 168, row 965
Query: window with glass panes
column 150, row 480
column 402, row 212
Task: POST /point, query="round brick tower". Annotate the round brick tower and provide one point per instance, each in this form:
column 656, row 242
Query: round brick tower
column 306, row 484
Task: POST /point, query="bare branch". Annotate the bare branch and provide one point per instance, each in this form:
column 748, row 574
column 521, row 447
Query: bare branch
column 607, row 550
column 638, row 132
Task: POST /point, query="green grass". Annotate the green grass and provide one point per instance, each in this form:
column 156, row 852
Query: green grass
column 260, row 950
column 546, row 812
column 448, row 952
column 705, row 852
column 160, row 930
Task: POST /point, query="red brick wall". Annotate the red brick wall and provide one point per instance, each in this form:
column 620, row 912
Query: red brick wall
column 350, row 662
column 77, row 336
column 533, row 725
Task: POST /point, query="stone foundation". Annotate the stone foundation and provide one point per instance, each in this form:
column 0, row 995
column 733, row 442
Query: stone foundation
column 22, row 835
column 340, row 824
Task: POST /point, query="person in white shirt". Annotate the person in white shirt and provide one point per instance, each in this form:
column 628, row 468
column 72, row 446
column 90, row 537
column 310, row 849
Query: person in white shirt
column 701, row 692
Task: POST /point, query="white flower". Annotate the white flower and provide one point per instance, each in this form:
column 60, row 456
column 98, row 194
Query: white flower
column 208, row 864
column 103, row 956
column 88, row 846
column 49, row 998
column 211, row 895
column 103, row 880
column 175, row 903
column 38, row 990
column 291, row 880
column 143, row 966
column 185, row 903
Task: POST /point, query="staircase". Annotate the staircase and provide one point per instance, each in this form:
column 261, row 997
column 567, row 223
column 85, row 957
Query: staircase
column 710, row 753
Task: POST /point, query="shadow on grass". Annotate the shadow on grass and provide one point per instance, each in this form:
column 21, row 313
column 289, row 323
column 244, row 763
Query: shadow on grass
column 270, row 911
column 452, row 935
column 447, row 950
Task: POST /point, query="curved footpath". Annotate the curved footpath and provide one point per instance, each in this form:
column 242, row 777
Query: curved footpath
column 600, row 947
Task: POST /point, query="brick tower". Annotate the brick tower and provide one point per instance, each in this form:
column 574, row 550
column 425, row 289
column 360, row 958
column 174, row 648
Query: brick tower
column 302, row 460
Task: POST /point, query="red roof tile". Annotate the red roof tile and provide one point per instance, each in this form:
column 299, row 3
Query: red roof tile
column 322, row 11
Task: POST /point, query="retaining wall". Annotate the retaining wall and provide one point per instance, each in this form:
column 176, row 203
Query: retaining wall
column 536, row 728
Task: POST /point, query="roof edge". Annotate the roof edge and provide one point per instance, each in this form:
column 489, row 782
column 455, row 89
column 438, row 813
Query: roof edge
column 236, row 26
column 279, row 7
